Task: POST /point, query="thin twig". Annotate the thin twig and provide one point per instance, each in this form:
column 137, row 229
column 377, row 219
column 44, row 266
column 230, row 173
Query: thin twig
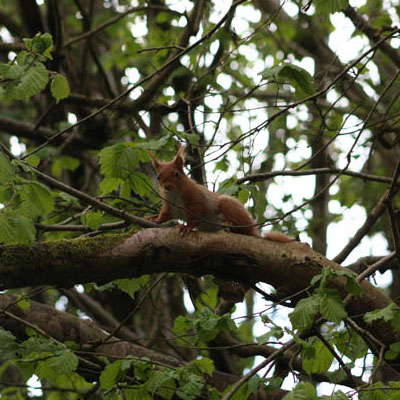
column 315, row 171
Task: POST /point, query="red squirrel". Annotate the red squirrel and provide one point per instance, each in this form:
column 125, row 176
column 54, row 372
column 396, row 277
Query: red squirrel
column 184, row 199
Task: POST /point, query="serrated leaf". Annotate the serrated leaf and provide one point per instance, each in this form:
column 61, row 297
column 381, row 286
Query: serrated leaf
column 190, row 385
column 108, row 185
column 305, row 312
column 8, row 345
column 93, row 219
column 109, row 376
column 181, row 325
column 12, row 72
column 16, row 229
column 33, row 81
column 320, row 360
column 140, row 183
column 298, row 77
column 140, row 393
column 118, row 161
column 154, row 144
column 36, row 200
column 206, row 324
column 255, row 382
column 125, row 190
column 205, row 365
column 351, row 344
column 303, row 391
column 42, row 44
column 24, row 230
column 331, row 308
column 386, row 314
column 156, row 380
column 28, row 43
column 64, row 363
column 59, row 88
column 353, row 286
column 131, row 286
column 6, row 170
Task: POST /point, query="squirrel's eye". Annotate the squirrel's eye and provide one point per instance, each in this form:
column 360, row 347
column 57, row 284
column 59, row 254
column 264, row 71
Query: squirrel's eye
column 158, row 177
column 176, row 174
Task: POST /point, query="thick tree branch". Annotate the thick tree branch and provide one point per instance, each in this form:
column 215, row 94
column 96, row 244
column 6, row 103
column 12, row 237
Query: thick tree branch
column 62, row 327
column 288, row 267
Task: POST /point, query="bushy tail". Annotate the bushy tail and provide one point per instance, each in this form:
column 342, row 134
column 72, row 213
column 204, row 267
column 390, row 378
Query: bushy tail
column 277, row 237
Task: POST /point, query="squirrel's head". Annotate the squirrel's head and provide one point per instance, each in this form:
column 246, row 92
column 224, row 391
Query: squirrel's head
column 170, row 174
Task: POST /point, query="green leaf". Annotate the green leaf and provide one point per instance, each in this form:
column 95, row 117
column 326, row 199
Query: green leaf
column 125, row 191
column 255, row 382
column 330, row 6
column 36, row 200
column 8, row 345
column 303, row 391
column 243, row 393
column 305, row 312
column 33, row 160
column 140, row 183
column 118, row 161
column 42, row 44
column 190, row 385
column 59, row 87
column 33, row 81
column 110, row 374
column 140, row 393
column 298, row 77
column 153, row 144
column 157, row 379
column 243, row 195
column 393, row 352
column 192, row 138
column 206, row 324
column 64, row 363
column 6, row 169
column 11, row 72
column 351, row 344
column 182, row 325
column 24, row 304
column 93, row 219
column 205, row 365
column 318, row 360
column 331, row 307
column 208, row 298
column 64, row 163
column 16, row 229
column 353, row 286
column 108, row 185
column 386, row 314
column 131, row 286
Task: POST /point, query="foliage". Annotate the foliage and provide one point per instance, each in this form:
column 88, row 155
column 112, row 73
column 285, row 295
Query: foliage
column 257, row 92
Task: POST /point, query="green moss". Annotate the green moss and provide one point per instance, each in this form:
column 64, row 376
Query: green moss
column 22, row 265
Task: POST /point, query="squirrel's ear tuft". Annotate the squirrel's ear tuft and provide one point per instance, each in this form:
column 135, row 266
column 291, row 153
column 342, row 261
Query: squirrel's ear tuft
column 179, row 160
column 153, row 160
